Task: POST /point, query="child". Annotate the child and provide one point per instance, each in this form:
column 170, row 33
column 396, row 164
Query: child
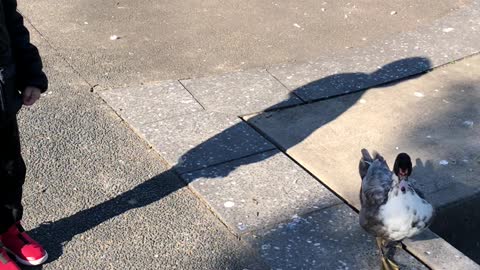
column 21, row 82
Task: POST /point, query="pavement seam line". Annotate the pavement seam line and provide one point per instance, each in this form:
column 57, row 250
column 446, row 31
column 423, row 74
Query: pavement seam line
column 239, row 238
column 262, row 111
column 195, row 98
column 150, row 146
column 280, row 82
column 284, row 151
column 144, row 141
column 218, row 217
column 404, row 247
column 170, row 168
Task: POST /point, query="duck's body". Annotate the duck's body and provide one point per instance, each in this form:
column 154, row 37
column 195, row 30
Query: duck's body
column 392, row 209
column 405, row 213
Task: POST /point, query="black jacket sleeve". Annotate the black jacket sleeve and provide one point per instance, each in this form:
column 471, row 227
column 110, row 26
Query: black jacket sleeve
column 25, row 55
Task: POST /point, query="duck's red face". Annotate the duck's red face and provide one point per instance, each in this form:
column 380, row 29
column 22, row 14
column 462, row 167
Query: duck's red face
column 403, row 172
column 403, row 166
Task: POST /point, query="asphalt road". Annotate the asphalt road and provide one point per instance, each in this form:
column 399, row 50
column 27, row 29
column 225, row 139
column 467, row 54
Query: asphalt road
column 161, row 40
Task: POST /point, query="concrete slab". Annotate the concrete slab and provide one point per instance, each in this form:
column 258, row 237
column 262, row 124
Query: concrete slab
column 259, row 191
column 424, row 117
column 438, row 254
column 241, row 93
column 198, row 140
column 327, row 239
column 151, row 103
column 447, row 39
column 433, row 118
column 179, row 39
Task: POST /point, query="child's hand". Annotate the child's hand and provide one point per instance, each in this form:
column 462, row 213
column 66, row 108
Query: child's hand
column 30, row 95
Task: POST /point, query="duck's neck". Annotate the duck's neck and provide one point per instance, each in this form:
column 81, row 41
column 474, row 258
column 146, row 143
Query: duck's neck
column 397, row 180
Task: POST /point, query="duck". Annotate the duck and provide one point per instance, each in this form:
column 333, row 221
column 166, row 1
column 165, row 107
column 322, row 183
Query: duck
column 392, row 208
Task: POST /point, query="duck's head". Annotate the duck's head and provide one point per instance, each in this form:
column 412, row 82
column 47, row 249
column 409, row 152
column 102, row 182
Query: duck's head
column 403, row 166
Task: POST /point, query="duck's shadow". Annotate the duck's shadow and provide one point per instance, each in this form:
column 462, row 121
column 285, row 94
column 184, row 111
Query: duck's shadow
column 439, row 181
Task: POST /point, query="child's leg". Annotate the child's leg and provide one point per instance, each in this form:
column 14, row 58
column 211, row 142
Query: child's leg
column 12, row 173
column 12, row 176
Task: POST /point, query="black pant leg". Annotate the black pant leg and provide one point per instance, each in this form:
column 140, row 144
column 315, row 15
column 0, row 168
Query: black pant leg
column 12, row 173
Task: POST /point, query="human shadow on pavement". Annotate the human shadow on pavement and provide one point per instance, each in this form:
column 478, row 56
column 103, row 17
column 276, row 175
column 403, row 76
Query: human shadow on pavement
column 439, row 135
column 55, row 234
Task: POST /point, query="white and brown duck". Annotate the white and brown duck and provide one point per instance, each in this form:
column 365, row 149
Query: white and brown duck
column 392, row 209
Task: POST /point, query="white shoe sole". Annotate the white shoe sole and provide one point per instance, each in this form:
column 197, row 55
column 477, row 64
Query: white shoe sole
column 33, row 263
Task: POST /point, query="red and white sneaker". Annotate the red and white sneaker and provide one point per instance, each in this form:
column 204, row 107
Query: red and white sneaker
column 6, row 262
column 26, row 250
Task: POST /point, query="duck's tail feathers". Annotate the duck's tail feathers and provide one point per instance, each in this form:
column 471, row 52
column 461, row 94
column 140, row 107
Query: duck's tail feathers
column 376, row 156
column 367, row 160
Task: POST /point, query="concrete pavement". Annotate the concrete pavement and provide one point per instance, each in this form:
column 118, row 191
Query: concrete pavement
column 263, row 196
column 161, row 40
column 431, row 117
column 99, row 198
column 107, row 193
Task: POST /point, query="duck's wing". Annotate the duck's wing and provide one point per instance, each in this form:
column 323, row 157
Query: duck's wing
column 419, row 193
column 377, row 179
column 413, row 184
